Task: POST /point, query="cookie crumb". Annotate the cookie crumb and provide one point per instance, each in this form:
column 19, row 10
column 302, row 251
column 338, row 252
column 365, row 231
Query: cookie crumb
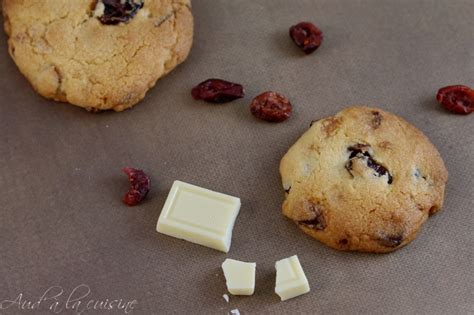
column 226, row 298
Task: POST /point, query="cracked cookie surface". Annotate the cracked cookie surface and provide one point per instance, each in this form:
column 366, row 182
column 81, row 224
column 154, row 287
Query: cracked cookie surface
column 68, row 55
column 362, row 180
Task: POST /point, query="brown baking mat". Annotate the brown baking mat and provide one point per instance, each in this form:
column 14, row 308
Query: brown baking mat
column 63, row 222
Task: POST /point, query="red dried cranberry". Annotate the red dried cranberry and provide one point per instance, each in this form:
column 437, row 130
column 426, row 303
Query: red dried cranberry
column 360, row 151
column 306, row 36
column 391, row 240
column 271, row 106
column 458, row 99
column 116, row 11
column 376, row 119
column 139, row 186
column 318, row 221
column 217, row 91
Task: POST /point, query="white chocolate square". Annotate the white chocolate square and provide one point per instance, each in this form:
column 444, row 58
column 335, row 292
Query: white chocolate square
column 290, row 278
column 239, row 276
column 199, row 215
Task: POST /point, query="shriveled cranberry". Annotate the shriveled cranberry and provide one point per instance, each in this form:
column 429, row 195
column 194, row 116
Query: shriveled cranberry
column 139, row 186
column 458, row 99
column 217, row 91
column 343, row 242
column 392, row 240
column 317, row 221
column 116, row 11
column 306, row 36
column 360, row 151
column 271, row 106
column 376, row 119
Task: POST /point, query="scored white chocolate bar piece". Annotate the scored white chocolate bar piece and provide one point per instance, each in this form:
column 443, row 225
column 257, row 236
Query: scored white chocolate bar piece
column 290, row 278
column 199, row 215
column 239, row 276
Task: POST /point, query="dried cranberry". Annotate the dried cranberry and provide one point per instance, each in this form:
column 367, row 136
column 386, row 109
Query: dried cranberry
column 318, row 221
column 360, row 151
column 116, row 11
column 217, row 91
column 458, row 99
column 271, row 106
column 343, row 242
column 306, row 36
column 392, row 240
column 139, row 186
column 376, row 119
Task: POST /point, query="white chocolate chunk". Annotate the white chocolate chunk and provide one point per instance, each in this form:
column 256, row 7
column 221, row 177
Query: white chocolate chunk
column 226, row 298
column 239, row 276
column 99, row 9
column 235, row 312
column 144, row 13
column 290, row 278
column 199, row 215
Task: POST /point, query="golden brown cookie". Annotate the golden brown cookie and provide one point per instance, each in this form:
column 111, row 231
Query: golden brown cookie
column 97, row 54
column 362, row 180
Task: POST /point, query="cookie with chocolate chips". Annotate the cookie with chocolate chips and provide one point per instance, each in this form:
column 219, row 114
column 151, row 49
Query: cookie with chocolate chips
column 362, row 180
column 97, row 54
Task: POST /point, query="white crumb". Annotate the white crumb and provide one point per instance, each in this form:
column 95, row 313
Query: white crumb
column 226, row 298
column 235, row 312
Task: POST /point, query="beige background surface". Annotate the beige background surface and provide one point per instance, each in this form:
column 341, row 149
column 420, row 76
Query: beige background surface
column 63, row 223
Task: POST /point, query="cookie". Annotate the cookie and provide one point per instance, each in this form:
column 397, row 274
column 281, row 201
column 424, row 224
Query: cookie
column 97, row 54
column 362, row 180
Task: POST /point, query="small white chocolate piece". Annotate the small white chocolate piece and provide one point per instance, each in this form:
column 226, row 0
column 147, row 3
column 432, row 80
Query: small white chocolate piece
column 199, row 215
column 290, row 278
column 239, row 276
column 99, row 9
